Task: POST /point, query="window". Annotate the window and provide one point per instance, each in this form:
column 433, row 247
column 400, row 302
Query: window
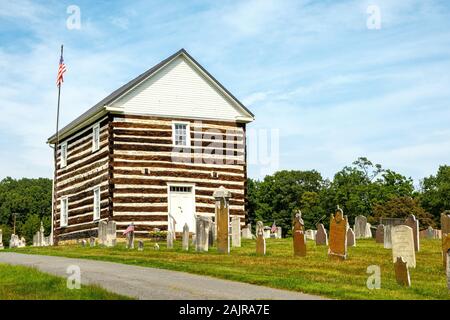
column 64, row 207
column 181, row 134
column 180, row 189
column 63, row 154
column 97, row 203
column 95, row 137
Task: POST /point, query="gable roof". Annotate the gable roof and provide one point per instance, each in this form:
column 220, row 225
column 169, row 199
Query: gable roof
column 99, row 108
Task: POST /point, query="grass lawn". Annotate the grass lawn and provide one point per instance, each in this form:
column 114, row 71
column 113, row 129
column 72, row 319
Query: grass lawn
column 23, row 283
column 314, row 274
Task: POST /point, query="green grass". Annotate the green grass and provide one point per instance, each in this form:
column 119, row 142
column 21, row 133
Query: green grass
column 23, row 283
column 314, row 274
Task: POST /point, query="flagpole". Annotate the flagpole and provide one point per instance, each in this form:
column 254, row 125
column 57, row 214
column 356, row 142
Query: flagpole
column 54, row 206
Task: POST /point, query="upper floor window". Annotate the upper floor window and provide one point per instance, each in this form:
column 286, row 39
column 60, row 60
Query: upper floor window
column 63, row 154
column 181, row 134
column 97, row 203
column 64, row 208
column 95, row 137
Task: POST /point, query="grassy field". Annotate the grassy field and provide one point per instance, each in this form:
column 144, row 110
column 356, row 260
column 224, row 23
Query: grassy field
column 23, row 283
column 314, row 274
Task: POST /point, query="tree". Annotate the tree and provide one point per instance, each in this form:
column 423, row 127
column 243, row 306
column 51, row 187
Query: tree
column 29, row 228
column 435, row 195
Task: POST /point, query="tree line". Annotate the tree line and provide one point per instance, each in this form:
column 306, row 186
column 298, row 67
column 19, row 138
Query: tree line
column 363, row 188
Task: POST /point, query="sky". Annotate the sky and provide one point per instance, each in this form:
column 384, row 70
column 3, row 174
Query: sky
column 328, row 81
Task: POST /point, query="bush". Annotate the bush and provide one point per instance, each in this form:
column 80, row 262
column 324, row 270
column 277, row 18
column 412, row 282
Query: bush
column 6, row 232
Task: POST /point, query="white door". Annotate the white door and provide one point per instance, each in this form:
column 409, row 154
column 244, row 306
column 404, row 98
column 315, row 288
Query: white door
column 181, row 208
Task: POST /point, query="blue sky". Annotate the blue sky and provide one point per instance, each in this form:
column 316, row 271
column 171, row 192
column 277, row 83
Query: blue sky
column 333, row 88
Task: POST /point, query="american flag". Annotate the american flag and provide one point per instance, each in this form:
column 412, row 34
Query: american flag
column 129, row 229
column 61, row 70
column 274, row 228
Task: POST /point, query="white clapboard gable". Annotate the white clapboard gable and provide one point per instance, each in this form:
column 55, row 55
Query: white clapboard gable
column 179, row 89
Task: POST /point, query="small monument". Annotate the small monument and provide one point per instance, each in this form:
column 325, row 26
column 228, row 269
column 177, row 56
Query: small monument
column 102, row 226
column 92, row 242
column 351, row 241
column 413, row 223
column 379, row 236
column 387, row 241
column 368, row 233
column 169, row 239
column 202, row 226
column 360, row 227
column 222, row 197
column 247, row 232
column 279, row 233
column 111, row 234
column 321, row 235
column 185, row 238
column 129, row 233
column 260, row 240
column 299, row 235
column 338, row 235
column 402, row 272
column 403, row 245
column 235, row 231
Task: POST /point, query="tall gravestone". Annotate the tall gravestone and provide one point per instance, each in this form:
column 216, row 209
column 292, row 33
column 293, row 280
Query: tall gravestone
column 351, row 239
column 387, row 240
column 413, row 223
column 130, row 240
column 203, row 225
column 299, row 235
column 111, row 234
column 169, row 240
column 338, row 235
column 321, row 236
column 1, row 240
column 403, row 245
column 260, row 240
column 236, row 232
column 402, row 272
column 379, row 236
column 102, row 226
column 212, row 234
column 360, row 227
column 222, row 197
column 279, row 233
column 185, row 238
column 368, row 233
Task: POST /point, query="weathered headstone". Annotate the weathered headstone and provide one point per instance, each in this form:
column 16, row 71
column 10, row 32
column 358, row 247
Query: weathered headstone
column 185, row 238
column 299, row 235
column 83, row 243
column 222, row 197
column 266, row 232
column 1, row 240
column 360, row 227
column 402, row 272
column 212, row 234
column 310, row 234
column 247, row 232
column 430, row 233
column 321, row 236
column 279, row 233
column 445, row 248
column 379, row 236
column 235, row 231
column 351, row 241
column 445, row 223
column 338, row 235
column 368, row 233
column 111, row 234
column 102, row 226
column 92, row 242
column 130, row 240
column 202, row 225
column 140, row 245
column 169, row 240
column 413, row 223
column 387, row 237
column 14, row 242
column 260, row 240
column 403, row 245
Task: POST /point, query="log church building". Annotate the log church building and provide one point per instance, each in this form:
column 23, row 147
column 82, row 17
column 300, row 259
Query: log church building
column 153, row 150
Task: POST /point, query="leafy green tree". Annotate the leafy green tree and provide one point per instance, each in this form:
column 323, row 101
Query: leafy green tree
column 29, row 228
column 435, row 193
column 6, row 234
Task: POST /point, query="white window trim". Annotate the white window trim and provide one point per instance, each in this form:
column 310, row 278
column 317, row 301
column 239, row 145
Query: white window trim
column 96, row 215
column 66, row 210
column 188, row 133
column 95, row 144
column 63, row 159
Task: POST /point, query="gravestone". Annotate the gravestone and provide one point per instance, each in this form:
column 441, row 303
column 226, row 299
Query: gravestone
column 83, row 243
column 445, row 248
column 299, row 235
column 92, row 242
column 222, row 197
column 402, row 272
column 22, row 243
column 310, row 234
column 130, row 240
column 102, row 226
column 445, row 223
column 387, row 237
column 430, row 233
column 360, row 227
column 379, row 236
column 267, row 232
column 279, row 233
column 403, row 245
column 260, row 240
column 185, row 238
column 156, row 246
column 35, row 242
column 247, row 232
column 212, row 234
column 321, row 236
column 235, row 232
column 338, row 235
column 413, row 223
column 111, row 234
column 448, row 269
column 169, row 240
column 46, row 241
column 202, row 225
column 351, row 241
column 1, row 240
column 140, row 245
column 14, row 241
column 368, row 233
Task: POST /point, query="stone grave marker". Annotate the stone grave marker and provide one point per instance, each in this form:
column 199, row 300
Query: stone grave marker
column 368, row 233
column 102, row 226
column 351, row 240
column 1, row 240
column 260, row 240
column 267, row 232
column 413, row 223
column 235, row 231
column 403, row 245
column 212, row 234
column 445, row 223
column 379, row 236
column 203, row 225
column 111, row 234
column 140, row 245
column 360, row 227
column 247, row 232
column 222, row 197
column 338, row 235
column 83, row 243
column 402, row 272
column 310, row 234
column 321, row 236
column 445, row 248
column 299, row 235
column 92, row 242
column 14, row 241
column 279, row 233
column 185, row 238
column 387, row 237
column 169, row 240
